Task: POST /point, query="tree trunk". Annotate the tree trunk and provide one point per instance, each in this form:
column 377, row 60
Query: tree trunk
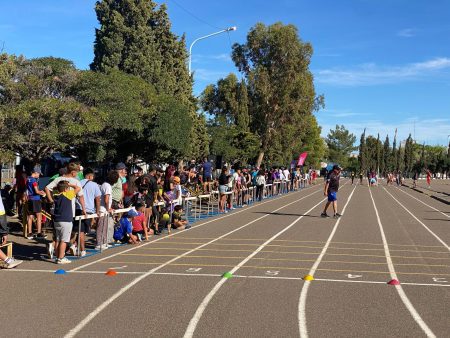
column 260, row 158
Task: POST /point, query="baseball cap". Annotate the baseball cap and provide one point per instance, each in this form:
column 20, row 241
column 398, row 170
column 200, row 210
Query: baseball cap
column 132, row 213
column 120, row 166
column 176, row 180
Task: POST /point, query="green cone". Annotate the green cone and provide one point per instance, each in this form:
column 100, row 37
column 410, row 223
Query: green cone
column 227, row 275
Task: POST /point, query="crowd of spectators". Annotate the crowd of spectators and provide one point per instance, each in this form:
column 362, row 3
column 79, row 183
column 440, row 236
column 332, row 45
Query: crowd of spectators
column 152, row 201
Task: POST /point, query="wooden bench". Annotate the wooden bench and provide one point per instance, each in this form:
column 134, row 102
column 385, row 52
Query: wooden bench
column 8, row 247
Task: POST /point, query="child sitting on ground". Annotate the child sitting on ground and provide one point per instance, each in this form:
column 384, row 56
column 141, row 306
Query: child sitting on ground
column 164, row 220
column 140, row 223
column 63, row 217
column 123, row 232
column 179, row 222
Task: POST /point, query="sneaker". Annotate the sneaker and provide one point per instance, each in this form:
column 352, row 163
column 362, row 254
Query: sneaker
column 97, row 247
column 324, row 215
column 157, row 232
column 106, row 246
column 41, row 235
column 83, row 253
column 63, row 260
column 50, row 250
column 12, row 263
column 187, row 226
column 73, row 250
column 337, row 215
column 30, row 236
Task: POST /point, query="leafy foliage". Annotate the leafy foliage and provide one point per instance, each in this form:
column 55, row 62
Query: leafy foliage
column 340, row 144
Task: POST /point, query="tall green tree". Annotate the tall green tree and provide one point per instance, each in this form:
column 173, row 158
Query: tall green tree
column 409, row 155
column 135, row 37
column 340, row 144
column 228, row 104
column 387, row 156
column 362, row 157
column 275, row 63
column 394, row 152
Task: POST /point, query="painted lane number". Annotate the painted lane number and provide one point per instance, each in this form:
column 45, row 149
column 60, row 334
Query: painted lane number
column 193, row 269
column 272, row 273
column 439, row 280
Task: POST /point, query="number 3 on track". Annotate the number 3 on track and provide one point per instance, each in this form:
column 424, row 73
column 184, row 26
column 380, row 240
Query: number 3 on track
column 272, row 273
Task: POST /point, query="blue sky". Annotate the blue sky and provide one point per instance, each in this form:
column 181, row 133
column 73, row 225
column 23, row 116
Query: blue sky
column 380, row 64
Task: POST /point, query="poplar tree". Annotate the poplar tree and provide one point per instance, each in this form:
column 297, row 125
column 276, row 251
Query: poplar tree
column 387, row 156
column 363, row 152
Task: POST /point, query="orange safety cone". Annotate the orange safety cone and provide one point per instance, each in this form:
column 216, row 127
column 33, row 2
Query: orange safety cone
column 111, row 272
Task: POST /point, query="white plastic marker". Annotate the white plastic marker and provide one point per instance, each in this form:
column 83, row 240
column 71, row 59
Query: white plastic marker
column 429, row 206
column 302, row 301
column 418, row 220
column 198, row 314
column 180, row 232
column 121, row 291
column 393, row 274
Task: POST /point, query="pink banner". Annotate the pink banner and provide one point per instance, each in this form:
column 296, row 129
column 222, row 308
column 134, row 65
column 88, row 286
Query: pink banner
column 302, row 158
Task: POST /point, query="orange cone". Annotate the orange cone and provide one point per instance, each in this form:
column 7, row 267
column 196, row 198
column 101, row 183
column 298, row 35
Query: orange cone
column 111, row 272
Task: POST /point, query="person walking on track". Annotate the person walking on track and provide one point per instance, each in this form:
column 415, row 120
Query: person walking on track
column 331, row 189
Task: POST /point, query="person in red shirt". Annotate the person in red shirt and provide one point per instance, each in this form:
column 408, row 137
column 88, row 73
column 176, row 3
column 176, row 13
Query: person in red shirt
column 140, row 222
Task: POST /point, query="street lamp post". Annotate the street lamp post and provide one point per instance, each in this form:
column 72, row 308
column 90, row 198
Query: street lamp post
column 204, row 37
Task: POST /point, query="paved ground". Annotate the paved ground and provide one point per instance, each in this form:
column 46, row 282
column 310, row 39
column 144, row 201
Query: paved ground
column 172, row 286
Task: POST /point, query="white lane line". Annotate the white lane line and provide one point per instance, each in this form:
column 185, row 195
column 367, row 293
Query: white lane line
column 202, row 307
column 182, row 231
column 393, row 274
column 418, row 220
column 219, row 275
column 429, row 206
column 121, row 291
column 302, row 300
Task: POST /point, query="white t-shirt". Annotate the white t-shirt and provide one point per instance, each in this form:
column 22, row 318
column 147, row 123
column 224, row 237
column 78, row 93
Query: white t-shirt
column 286, row 174
column 106, row 189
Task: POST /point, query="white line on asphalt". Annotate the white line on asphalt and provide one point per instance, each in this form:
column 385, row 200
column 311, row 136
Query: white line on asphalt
column 393, row 274
column 121, row 291
column 303, row 294
column 219, row 275
column 418, row 220
column 429, row 206
column 180, row 232
column 202, row 307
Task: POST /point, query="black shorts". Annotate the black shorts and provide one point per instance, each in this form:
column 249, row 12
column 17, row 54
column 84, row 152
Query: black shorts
column 139, row 232
column 34, row 207
column 207, row 178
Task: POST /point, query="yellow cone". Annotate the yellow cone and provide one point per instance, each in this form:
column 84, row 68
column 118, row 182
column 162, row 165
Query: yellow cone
column 308, row 277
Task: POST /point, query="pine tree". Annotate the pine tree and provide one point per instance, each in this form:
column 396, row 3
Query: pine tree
column 135, row 37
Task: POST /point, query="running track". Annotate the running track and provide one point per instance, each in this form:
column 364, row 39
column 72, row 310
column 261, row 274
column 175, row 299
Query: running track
column 172, row 286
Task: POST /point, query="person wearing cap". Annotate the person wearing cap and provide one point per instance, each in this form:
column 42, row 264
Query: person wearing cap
column 117, row 191
column 34, row 204
column 123, row 232
column 331, row 189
